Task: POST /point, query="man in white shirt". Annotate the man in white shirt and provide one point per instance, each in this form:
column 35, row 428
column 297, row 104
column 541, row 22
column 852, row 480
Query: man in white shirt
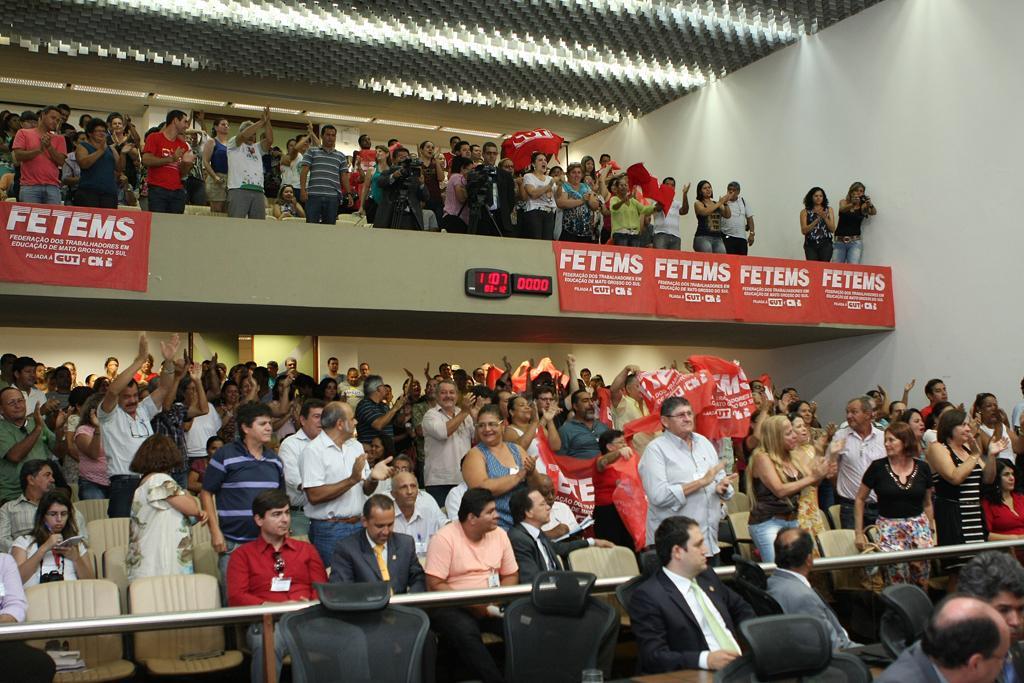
column 447, row 437
column 25, row 380
column 415, row 515
column 125, row 423
column 562, row 519
column 665, row 226
column 627, row 400
column 738, row 229
column 245, row 168
column 683, row 475
column 683, row 616
column 290, row 452
column 859, row 443
column 336, row 479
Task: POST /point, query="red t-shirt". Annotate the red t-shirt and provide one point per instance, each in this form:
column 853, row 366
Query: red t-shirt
column 251, row 573
column 168, row 177
column 367, row 159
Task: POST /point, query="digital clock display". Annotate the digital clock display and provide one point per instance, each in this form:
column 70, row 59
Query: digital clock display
column 538, row 285
column 488, row 283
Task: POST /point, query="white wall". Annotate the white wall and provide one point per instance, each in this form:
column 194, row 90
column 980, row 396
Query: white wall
column 920, row 100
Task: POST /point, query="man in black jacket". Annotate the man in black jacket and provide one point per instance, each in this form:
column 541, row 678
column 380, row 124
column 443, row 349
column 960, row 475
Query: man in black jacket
column 403, row 195
column 535, row 553
column 495, row 218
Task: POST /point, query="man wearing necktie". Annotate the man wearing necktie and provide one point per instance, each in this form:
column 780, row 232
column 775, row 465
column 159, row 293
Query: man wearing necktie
column 683, row 616
column 998, row 579
column 535, row 553
column 380, row 553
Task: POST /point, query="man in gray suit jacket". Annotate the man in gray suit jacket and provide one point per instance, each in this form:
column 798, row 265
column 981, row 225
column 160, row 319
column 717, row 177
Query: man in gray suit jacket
column 966, row 641
column 360, row 557
column 794, row 557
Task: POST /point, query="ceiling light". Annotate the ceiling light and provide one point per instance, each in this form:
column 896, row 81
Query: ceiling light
column 189, row 100
column 339, row 117
column 33, row 84
column 403, row 124
column 109, row 91
column 274, row 110
column 478, row 133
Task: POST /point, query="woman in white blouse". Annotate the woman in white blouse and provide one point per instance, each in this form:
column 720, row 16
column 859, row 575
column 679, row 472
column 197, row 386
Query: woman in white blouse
column 44, row 555
column 538, row 222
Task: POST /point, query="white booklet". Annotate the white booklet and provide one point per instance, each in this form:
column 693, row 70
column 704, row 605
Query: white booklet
column 585, row 524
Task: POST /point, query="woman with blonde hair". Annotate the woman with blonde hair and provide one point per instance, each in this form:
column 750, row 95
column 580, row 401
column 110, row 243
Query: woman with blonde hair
column 774, row 482
column 854, row 209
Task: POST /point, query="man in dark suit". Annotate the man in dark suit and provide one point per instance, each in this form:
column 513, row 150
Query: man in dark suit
column 966, row 641
column 361, row 557
column 998, row 579
column 535, row 553
column 496, row 219
column 684, row 617
column 794, row 557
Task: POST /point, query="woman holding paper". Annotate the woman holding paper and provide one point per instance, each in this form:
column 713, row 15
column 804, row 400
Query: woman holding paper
column 53, row 550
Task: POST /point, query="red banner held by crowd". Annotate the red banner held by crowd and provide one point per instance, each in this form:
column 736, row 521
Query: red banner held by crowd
column 572, row 478
column 74, row 246
column 657, row 385
column 732, row 403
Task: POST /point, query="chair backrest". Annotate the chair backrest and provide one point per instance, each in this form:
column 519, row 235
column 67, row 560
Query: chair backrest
column 835, row 517
column 115, row 570
column 80, row 599
column 205, row 560
column 92, row 509
column 751, row 572
column 761, row 600
column 103, row 534
column 837, row 543
column 536, row 646
column 907, row 611
column 200, row 534
column 368, row 646
column 604, row 563
column 624, row 591
column 739, row 522
column 180, row 593
column 740, row 502
column 787, row 646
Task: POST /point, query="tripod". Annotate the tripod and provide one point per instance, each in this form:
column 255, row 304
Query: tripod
column 480, row 216
column 399, row 208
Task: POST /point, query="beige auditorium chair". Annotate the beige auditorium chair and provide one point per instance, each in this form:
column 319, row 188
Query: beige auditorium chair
column 83, row 599
column 104, row 534
column 604, row 563
column 834, row 516
column 115, row 570
column 196, row 210
column 125, row 207
column 180, row 652
column 740, row 502
column 740, row 523
column 92, row 509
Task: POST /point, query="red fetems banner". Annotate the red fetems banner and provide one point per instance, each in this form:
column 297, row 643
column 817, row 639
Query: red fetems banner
column 74, row 246
column 691, row 286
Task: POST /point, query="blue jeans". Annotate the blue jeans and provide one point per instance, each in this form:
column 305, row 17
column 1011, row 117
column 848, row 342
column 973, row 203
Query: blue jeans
column 325, row 535
column 300, row 523
column 122, row 491
column 40, row 194
column 322, row 209
column 88, row 490
column 166, row 201
column 764, row 536
column 222, row 566
column 180, row 477
column 663, row 240
column 847, row 252
column 622, row 239
column 709, row 244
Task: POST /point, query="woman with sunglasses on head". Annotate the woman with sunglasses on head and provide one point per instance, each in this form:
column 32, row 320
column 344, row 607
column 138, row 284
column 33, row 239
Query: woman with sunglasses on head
column 42, row 555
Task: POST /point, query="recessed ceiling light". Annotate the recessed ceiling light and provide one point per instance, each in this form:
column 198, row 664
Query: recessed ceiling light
column 275, row 110
column 403, row 124
column 478, row 133
column 339, row 117
column 189, row 100
column 32, row 83
column 109, row 91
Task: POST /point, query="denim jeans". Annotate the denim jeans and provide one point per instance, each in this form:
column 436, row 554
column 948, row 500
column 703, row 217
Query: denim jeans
column 40, row 194
column 325, row 535
column 254, row 638
column 222, row 566
column 166, row 201
column 122, row 491
column 321, row 208
column 709, row 244
column 622, row 239
column 846, row 513
column 180, row 477
column 300, row 523
column 88, row 490
column 764, row 535
column 847, row 252
column 663, row 240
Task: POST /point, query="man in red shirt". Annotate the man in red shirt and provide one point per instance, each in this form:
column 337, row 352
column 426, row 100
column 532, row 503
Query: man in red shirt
column 169, row 158
column 273, row 568
column 41, row 153
column 936, row 392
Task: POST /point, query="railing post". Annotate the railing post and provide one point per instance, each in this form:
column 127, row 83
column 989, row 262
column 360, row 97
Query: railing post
column 269, row 652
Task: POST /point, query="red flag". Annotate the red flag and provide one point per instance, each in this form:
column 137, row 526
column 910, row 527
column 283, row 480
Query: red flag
column 519, row 147
column 769, row 389
column 603, row 395
column 630, row 499
column 545, row 365
column 658, row 385
column 732, row 404
column 494, row 373
column 573, row 478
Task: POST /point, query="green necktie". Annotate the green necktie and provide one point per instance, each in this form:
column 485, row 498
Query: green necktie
column 721, row 634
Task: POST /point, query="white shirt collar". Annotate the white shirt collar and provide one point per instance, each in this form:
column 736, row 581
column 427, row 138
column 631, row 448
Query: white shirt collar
column 803, row 579
column 373, row 544
column 681, row 582
column 533, row 531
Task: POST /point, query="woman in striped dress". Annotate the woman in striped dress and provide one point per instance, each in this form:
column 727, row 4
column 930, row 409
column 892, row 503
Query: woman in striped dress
column 959, row 467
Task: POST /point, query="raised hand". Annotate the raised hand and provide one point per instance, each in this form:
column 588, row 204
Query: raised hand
column 998, row 446
column 358, row 466
column 169, row 348
column 143, row 348
column 837, row 447
column 909, row 385
column 381, row 471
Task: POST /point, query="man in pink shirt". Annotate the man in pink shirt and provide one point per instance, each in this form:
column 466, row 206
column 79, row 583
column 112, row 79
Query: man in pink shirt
column 41, row 152
column 474, row 553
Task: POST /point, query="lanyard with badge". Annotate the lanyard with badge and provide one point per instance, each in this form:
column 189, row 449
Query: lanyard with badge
column 280, row 583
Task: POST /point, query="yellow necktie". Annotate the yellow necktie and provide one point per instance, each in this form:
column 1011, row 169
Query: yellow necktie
column 382, row 562
column 718, row 630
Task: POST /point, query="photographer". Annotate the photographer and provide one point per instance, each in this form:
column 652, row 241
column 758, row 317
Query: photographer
column 456, row 200
column 853, row 210
column 402, row 194
column 497, row 188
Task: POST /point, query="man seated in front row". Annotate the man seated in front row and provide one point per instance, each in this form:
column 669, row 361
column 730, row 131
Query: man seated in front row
column 997, row 578
column 273, row 568
column 794, row 557
column 416, row 514
column 471, row 553
column 535, row 553
column 965, row 641
column 684, row 617
column 379, row 554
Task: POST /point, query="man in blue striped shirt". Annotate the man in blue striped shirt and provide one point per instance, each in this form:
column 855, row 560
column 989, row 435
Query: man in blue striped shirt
column 236, row 474
column 323, row 173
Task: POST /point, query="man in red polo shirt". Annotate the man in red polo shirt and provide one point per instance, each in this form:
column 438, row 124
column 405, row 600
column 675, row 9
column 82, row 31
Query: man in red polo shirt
column 169, row 158
column 273, row 568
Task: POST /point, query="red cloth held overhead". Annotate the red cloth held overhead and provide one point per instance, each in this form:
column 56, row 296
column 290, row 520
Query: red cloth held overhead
column 732, row 403
column 519, row 147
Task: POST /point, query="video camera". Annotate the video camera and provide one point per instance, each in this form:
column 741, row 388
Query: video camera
column 479, row 185
column 410, row 166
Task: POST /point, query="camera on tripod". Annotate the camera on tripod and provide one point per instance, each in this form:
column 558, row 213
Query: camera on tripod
column 409, row 167
column 479, row 185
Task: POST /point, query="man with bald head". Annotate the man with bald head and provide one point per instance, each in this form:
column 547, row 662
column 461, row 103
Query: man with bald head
column 415, row 515
column 966, row 641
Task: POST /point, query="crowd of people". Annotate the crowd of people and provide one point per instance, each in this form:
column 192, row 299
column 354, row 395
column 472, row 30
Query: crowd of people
column 106, row 162
column 442, row 484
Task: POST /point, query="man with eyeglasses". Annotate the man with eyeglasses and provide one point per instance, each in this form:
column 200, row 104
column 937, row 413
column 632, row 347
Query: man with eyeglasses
column 273, row 568
column 22, row 440
column 683, row 475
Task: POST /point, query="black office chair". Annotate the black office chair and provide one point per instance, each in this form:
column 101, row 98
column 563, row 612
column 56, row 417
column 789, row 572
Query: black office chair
column 750, row 571
column 624, row 591
column 907, row 610
column 559, row 631
column 761, row 600
column 794, row 647
column 356, row 635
